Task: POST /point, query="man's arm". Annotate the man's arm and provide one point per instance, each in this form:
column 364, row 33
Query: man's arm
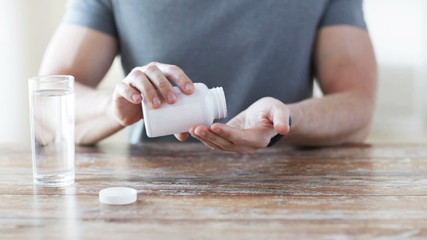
column 87, row 55
column 346, row 69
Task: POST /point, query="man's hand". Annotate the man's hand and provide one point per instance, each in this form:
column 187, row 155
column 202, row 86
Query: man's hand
column 250, row 130
column 153, row 82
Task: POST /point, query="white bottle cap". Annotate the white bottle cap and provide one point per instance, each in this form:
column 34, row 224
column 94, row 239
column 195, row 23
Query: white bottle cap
column 117, row 195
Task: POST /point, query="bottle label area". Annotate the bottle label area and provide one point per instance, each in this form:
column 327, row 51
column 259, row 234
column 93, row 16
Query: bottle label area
column 161, row 123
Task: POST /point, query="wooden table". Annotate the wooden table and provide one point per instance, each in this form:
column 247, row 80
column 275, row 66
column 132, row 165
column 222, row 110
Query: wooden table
column 186, row 191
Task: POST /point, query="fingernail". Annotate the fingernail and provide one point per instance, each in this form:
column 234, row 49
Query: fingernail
column 135, row 98
column 189, row 87
column 171, row 97
column 156, row 101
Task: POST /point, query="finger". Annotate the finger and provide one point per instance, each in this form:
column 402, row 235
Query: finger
column 160, row 82
column 235, row 149
column 204, row 132
column 224, row 144
column 206, row 142
column 129, row 93
column 240, row 137
column 178, row 76
column 139, row 80
column 191, row 130
column 280, row 119
column 181, row 136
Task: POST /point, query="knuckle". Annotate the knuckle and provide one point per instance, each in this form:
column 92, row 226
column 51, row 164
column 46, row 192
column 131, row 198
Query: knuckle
column 174, row 68
column 163, row 84
column 151, row 67
column 135, row 69
column 152, row 64
column 177, row 73
column 135, row 73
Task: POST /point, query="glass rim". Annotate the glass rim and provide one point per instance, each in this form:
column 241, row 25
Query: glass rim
column 52, row 78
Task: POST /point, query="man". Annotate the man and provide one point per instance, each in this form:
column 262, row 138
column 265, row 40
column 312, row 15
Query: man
column 265, row 54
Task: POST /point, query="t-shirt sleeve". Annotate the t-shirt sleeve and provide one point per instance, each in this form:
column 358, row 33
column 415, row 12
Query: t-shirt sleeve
column 344, row 12
column 95, row 14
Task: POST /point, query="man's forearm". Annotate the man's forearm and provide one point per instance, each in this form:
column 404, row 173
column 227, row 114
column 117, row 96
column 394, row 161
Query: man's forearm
column 331, row 120
column 94, row 115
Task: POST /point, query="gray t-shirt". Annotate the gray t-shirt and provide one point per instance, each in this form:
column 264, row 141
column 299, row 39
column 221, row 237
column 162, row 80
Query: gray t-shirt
column 251, row 48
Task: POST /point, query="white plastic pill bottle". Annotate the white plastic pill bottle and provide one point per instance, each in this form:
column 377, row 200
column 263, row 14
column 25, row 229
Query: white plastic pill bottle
column 200, row 108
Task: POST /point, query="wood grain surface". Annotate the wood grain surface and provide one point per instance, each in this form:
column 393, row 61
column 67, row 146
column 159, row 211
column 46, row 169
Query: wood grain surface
column 186, row 191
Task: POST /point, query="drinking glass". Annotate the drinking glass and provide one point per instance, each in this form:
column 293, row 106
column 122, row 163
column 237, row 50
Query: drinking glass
column 52, row 129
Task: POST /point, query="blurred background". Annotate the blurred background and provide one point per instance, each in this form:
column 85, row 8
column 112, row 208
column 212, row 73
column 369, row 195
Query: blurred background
column 398, row 30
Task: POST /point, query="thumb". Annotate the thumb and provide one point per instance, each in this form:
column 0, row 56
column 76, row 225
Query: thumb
column 281, row 119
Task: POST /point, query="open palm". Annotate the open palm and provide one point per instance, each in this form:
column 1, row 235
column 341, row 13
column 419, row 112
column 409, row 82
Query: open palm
column 250, row 130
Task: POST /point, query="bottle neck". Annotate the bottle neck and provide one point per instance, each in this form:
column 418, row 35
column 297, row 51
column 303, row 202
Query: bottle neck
column 219, row 105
